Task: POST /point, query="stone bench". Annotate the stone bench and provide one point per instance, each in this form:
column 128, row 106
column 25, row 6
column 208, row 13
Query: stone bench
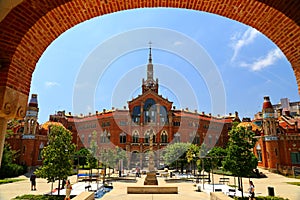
column 85, row 196
column 152, row 190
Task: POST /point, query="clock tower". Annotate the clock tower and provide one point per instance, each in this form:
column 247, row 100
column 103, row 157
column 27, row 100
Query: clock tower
column 31, row 116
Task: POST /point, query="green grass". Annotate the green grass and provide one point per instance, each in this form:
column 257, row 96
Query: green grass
column 294, row 183
column 10, row 180
column 38, row 197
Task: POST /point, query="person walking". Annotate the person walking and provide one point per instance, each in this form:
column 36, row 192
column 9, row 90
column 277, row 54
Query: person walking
column 251, row 191
column 68, row 190
column 33, row 181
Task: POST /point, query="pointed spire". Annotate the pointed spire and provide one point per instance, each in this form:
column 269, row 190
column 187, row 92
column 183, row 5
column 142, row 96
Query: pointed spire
column 150, row 65
column 150, row 53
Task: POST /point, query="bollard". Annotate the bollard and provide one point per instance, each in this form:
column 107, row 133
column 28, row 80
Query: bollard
column 271, row 191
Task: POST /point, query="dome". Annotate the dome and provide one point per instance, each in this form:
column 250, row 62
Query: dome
column 46, row 125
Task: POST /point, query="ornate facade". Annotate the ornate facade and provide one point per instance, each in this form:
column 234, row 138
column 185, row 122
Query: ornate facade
column 148, row 113
column 278, row 133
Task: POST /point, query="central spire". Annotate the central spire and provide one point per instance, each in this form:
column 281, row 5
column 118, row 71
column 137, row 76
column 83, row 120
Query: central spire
column 150, row 83
column 150, row 65
column 150, row 53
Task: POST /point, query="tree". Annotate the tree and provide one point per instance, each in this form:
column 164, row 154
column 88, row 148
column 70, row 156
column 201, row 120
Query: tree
column 57, row 155
column 8, row 167
column 176, row 152
column 192, row 155
column 240, row 160
column 81, row 156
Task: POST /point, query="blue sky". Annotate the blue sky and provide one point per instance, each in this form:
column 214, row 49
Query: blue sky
column 203, row 61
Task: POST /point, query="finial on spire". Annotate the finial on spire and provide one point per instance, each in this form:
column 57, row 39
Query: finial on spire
column 150, row 54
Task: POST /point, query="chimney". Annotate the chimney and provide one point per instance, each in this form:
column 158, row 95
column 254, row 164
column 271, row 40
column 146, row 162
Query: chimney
column 230, row 114
column 296, row 126
column 96, row 112
column 104, row 110
column 203, row 113
column 124, row 107
column 70, row 113
column 236, row 114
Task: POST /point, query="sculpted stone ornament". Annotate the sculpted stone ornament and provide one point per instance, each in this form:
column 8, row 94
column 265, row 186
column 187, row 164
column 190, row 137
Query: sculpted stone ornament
column 12, row 106
column 12, row 103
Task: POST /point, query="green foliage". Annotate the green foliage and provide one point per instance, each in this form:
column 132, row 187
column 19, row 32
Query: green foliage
column 294, row 183
column 240, row 159
column 81, row 157
column 57, row 162
column 8, row 167
column 176, row 151
column 10, row 180
column 38, row 197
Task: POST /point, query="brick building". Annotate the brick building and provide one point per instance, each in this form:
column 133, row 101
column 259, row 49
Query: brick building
column 28, row 139
column 130, row 129
column 278, row 133
column 149, row 113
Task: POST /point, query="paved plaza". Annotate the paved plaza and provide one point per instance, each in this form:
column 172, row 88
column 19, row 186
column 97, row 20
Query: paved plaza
column 186, row 190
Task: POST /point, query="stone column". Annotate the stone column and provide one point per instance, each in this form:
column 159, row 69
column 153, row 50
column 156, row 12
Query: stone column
column 12, row 105
column 3, row 126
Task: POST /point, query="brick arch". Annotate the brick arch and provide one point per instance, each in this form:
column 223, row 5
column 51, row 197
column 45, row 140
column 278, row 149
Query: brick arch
column 29, row 28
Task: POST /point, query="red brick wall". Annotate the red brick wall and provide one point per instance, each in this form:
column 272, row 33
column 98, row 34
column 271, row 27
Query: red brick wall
column 30, row 27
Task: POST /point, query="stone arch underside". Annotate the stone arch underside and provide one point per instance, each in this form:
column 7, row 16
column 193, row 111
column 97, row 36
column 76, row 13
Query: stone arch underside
column 28, row 27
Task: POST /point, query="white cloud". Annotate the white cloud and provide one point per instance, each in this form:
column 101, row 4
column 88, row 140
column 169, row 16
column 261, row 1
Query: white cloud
column 177, row 43
column 240, row 41
column 266, row 61
column 51, row 84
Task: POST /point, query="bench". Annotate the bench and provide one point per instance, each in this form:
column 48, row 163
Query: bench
column 224, row 180
column 88, row 187
column 231, row 193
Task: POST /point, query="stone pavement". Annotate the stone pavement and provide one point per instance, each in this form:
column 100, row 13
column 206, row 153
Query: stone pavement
column 186, row 190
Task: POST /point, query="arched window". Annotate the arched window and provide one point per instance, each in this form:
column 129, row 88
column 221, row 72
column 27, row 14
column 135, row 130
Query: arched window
column 149, row 111
column 164, row 137
column 163, row 115
column 108, row 137
column 82, row 138
column 147, row 137
column 89, row 139
column 122, row 138
column 136, row 114
column 177, row 137
column 135, row 137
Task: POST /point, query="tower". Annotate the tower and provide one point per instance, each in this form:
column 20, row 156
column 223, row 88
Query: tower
column 269, row 122
column 150, row 84
column 270, row 137
column 31, row 116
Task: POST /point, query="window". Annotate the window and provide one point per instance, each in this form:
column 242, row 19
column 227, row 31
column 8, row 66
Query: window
column 122, row 123
column 259, row 155
column 196, row 139
column 136, row 114
column 147, row 137
column 177, row 137
column 135, row 137
column 163, row 115
column 105, row 137
column 150, row 111
column 123, row 138
column 82, row 139
column 209, row 139
column 295, row 157
column 89, row 139
column 176, row 123
column 164, row 137
column 258, row 152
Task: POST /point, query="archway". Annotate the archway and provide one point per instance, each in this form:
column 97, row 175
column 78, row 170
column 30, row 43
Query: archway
column 27, row 27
